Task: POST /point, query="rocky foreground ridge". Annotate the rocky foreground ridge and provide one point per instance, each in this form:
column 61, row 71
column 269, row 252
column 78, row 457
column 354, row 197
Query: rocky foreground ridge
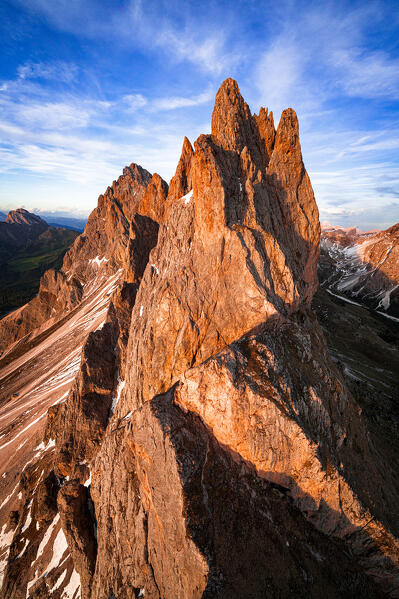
column 208, row 446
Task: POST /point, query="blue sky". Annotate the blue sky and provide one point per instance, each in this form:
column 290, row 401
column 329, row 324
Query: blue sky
column 87, row 86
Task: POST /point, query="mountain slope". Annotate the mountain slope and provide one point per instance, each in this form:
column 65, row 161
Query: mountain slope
column 363, row 267
column 207, row 446
column 28, row 247
column 99, row 251
column 20, row 273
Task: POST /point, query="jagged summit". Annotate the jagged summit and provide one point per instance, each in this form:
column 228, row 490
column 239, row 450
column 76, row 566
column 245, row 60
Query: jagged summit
column 207, row 446
column 181, row 182
column 231, row 117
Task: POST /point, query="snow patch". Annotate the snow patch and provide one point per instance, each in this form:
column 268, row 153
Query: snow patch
column 59, row 581
column 188, row 196
column 72, row 586
column 387, row 315
column 119, row 389
column 5, row 544
column 47, row 536
column 344, row 299
column 385, row 302
column 60, row 546
column 25, row 429
column 27, row 523
column 98, row 261
column 23, row 549
column 7, row 499
column 42, row 447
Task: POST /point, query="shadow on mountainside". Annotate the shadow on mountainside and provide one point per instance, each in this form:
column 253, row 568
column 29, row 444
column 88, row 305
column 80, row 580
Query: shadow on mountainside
column 256, row 542
column 367, row 444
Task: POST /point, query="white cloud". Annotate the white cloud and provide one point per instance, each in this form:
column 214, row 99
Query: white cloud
column 54, row 115
column 143, row 25
column 279, row 77
column 134, row 101
column 206, row 51
column 174, row 102
column 57, row 71
column 367, row 75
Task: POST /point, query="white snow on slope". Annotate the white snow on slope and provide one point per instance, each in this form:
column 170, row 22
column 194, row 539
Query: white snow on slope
column 47, row 536
column 71, row 588
column 353, row 273
column 7, row 499
column 121, row 385
column 187, row 197
column 59, row 581
column 5, row 543
column 98, row 261
column 345, row 299
column 385, row 302
column 59, row 548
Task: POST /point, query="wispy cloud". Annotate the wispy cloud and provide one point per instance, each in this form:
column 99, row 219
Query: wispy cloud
column 57, row 71
column 174, row 102
column 208, row 52
column 145, row 25
column 367, row 75
column 144, row 73
column 134, row 101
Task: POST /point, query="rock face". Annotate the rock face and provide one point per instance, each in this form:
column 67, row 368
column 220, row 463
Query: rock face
column 23, row 217
column 100, row 251
column 362, row 267
column 209, row 447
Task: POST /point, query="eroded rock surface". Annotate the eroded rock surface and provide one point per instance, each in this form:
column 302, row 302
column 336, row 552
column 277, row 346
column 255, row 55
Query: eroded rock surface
column 209, row 447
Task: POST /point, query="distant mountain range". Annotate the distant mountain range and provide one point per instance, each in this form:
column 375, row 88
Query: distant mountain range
column 68, row 222
column 55, row 219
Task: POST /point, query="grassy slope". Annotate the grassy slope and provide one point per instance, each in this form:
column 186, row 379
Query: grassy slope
column 20, row 273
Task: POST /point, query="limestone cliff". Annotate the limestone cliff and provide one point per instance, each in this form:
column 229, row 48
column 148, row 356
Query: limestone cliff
column 209, row 447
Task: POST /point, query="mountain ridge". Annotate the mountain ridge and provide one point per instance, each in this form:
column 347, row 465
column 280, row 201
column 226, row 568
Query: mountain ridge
column 205, row 444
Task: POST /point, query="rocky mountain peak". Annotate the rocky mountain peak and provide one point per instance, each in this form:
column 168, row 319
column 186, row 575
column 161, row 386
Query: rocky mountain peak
column 232, row 123
column 287, row 134
column 267, row 131
column 207, row 445
column 181, row 182
column 153, row 203
column 20, row 216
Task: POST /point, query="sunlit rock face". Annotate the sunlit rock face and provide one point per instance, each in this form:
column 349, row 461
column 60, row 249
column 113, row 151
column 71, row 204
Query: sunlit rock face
column 208, row 446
